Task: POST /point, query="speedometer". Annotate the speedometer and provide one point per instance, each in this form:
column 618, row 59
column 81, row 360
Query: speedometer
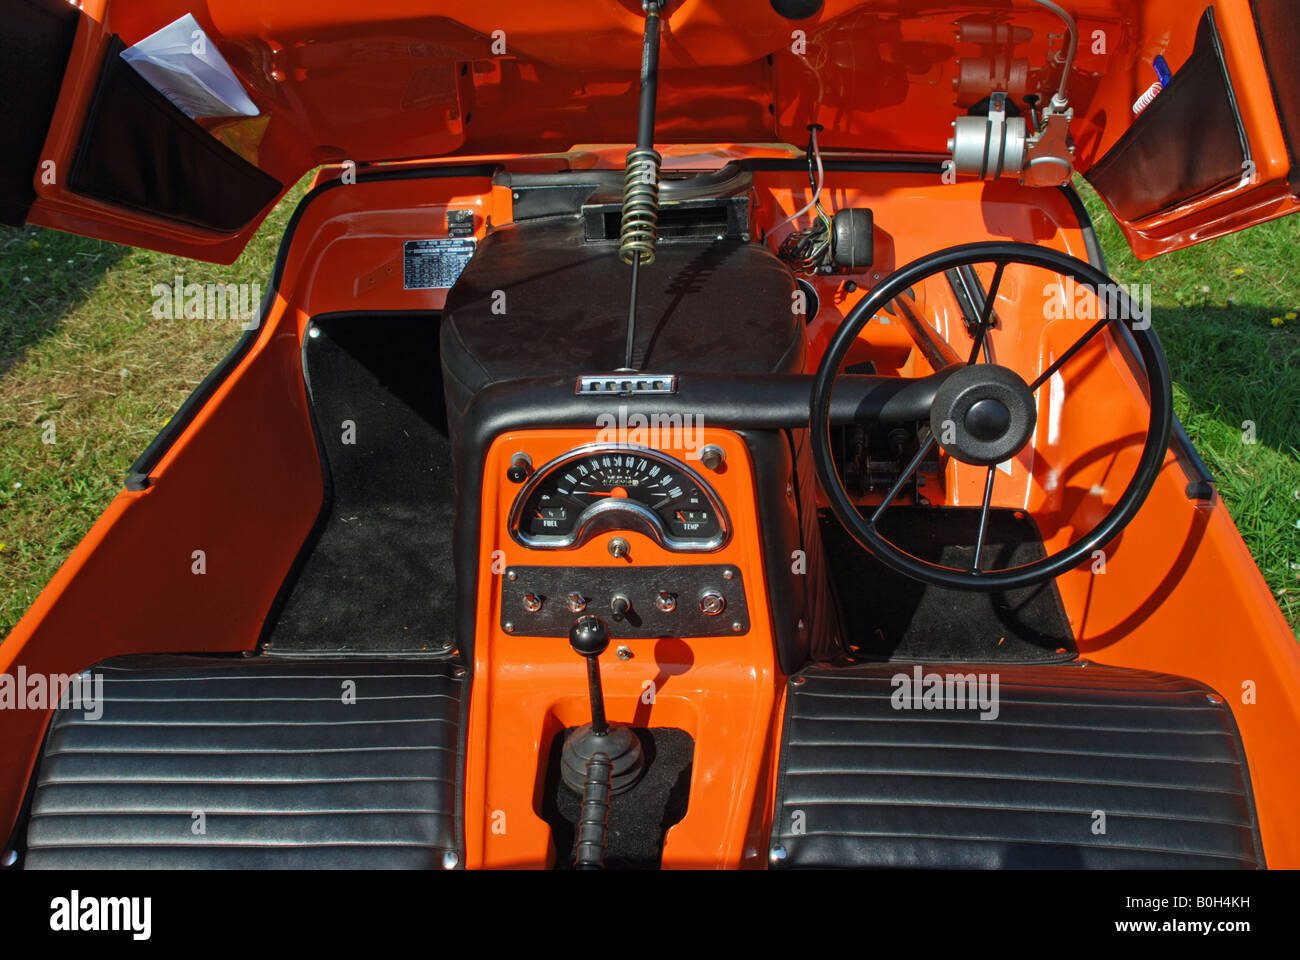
column 599, row 488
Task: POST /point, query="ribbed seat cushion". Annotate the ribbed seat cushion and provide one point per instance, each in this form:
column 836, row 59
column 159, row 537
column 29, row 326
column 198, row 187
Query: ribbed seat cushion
column 257, row 763
column 863, row 783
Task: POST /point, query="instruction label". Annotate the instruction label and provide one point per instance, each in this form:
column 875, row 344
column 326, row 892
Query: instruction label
column 434, row 264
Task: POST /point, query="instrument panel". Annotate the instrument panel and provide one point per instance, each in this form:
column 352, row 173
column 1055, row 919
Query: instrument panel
column 602, row 487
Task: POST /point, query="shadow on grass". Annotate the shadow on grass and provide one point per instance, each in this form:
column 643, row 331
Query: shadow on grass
column 44, row 274
column 1232, row 366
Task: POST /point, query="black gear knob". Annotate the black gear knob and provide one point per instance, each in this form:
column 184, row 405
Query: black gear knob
column 589, row 636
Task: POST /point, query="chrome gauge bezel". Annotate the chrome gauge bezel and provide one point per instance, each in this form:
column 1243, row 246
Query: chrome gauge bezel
column 617, row 515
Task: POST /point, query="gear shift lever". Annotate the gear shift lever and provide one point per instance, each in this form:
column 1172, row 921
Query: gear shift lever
column 589, row 638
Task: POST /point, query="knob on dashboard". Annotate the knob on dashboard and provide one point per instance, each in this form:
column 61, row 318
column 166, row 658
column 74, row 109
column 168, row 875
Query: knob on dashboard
column 521, row 465
column 619, row 606
column 589, row 636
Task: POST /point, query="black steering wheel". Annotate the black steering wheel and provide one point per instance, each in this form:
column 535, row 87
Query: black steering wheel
column 984, row 414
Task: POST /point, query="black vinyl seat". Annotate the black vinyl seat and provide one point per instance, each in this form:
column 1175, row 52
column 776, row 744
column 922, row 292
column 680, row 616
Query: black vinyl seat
column 260, row 763
column 1081, row 765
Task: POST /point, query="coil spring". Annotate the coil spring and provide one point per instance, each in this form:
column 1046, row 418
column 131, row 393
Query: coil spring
column 640, row 206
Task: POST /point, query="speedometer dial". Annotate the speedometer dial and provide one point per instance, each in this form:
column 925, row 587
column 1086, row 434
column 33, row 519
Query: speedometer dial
column 602, row 488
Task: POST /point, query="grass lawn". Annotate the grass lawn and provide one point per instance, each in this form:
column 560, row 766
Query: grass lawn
column 79, row 350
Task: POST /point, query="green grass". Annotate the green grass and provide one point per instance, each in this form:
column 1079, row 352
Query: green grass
column 1220, row 309
column 79, row 347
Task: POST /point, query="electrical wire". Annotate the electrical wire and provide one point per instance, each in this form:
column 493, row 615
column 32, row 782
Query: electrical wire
column 816, row 156
column 808, row 250
column 1060, row 100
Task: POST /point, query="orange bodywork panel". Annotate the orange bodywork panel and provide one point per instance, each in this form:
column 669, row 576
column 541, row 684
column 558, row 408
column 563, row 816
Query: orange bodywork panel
column 379, row 84
column 242, row 483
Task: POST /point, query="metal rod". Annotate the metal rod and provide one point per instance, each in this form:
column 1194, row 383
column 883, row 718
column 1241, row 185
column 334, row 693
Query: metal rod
column 631, row 317
column 645, row 140
column 936, row 350
column 599, row 726
column 645, row 120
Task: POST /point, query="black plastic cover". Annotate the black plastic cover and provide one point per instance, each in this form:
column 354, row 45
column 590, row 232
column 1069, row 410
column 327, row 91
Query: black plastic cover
column 139, row 151
column 34, row 48
column 1190, row 141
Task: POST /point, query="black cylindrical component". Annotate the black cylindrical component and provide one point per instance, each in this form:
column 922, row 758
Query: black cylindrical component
column 593, row 819
column 645, row 120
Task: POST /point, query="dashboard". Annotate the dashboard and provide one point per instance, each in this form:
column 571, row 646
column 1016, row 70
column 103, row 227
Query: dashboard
column 646, row 538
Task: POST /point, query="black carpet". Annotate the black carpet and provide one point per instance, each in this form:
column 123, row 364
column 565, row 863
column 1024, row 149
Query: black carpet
column 888, row 616
column 378, row 576
column 638, row 819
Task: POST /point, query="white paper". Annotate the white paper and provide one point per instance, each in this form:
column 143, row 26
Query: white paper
column 185, row 66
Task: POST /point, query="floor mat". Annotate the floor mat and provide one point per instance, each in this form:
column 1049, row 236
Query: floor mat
column 378, row 577
column 639, row 818
column 888, row 616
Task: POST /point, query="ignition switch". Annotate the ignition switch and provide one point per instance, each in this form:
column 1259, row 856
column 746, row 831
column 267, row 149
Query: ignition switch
column 712, row 603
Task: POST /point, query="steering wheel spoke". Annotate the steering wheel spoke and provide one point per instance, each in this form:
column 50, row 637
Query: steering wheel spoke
column 904, row 475
column 984, row 519
column 981, row 331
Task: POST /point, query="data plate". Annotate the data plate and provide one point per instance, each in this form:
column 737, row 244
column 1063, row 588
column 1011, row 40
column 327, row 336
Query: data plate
column 598, row 586
column 434, row 264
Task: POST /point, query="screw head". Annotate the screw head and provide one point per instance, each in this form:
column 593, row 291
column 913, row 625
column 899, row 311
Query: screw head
column 777, row 853
column 450, row 860
column 624, row 653
column 728, row 574
column 508, row 628
column 736, row 626
column 511, row 575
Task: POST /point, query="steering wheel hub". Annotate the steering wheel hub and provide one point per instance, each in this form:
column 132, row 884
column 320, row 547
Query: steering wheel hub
column 983, row 414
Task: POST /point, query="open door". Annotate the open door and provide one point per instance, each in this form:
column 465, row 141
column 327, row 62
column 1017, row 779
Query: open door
column 1216, row 150
column 91, row 147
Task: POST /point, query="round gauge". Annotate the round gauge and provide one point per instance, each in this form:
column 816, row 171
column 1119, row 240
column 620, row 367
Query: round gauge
column 596, row 489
